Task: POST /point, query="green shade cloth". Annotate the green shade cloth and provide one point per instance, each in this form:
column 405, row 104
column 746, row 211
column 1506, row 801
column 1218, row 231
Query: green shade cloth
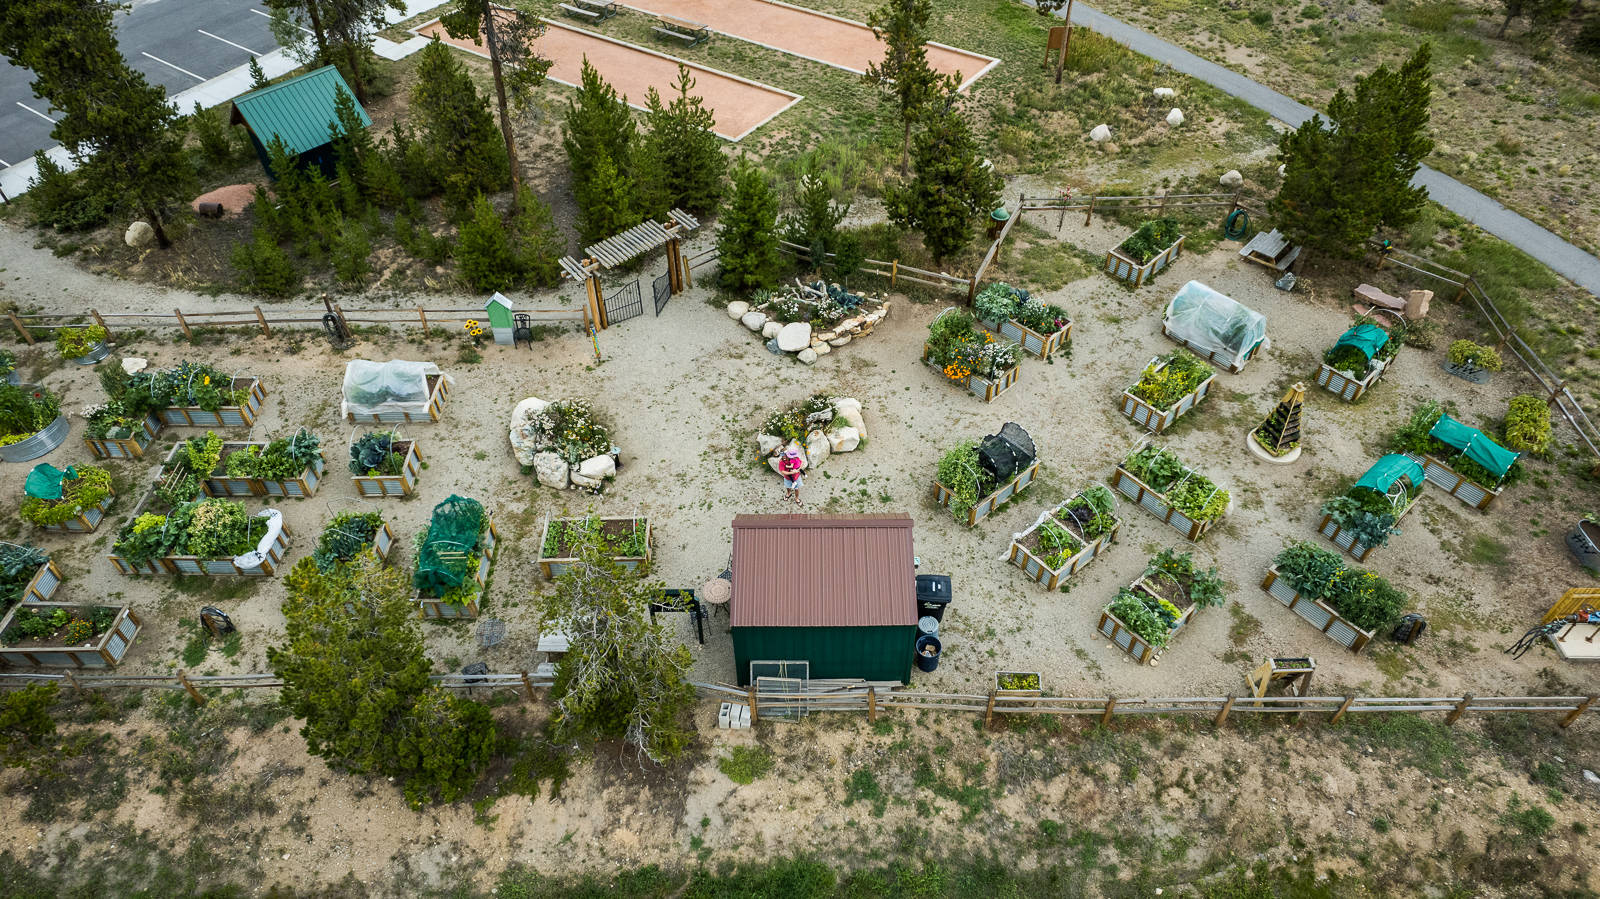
column 453, row 533
column 1478, row 446
column 1366, row 337
column 1383, row 473
column 44, row 482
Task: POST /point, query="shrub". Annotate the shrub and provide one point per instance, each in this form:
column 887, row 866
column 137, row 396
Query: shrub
column 1588, row 40
column 263, row 266
column 1528, row 424
column 1261, row 17
column 1464, row 352
column 61, row 201
column 747, row 764
column 75, row 343
column 484, row 250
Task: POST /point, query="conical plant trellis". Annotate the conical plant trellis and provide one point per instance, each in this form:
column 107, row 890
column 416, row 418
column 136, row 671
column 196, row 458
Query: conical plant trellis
column 1281, row 431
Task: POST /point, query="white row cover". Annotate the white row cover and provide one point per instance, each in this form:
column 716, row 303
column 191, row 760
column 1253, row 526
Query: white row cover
column 373, row 388
column 1215, row 323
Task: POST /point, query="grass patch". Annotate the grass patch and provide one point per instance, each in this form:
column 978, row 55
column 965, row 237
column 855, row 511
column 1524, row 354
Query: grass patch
column 746, row 764
column 1426, row 745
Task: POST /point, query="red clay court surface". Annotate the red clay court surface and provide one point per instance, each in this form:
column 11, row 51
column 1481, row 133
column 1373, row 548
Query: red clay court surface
column 740, row 105
column 809, row 34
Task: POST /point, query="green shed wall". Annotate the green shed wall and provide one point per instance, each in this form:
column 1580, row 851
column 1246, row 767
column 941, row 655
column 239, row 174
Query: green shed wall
column 870, row 653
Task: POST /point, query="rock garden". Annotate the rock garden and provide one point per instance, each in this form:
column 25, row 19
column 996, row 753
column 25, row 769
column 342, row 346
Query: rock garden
column 563, row 444
column 809, row 320
column 817, row 427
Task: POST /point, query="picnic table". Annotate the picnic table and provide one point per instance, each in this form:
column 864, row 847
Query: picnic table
column 683, row 29
column 594, row 10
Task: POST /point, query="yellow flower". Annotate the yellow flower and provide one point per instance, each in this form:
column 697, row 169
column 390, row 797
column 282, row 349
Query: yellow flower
column 208, row 379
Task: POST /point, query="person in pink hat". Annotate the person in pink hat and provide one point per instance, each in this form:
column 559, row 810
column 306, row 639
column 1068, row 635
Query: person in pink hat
column 790, row 466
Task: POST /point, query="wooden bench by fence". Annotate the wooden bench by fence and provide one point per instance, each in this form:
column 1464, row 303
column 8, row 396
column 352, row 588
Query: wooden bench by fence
column 682, row 29
column 594, row 11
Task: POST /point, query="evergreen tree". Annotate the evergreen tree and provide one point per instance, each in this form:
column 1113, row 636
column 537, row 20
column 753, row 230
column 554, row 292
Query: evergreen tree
column 26, row 729
column 815, row 222
column 484, row 250
column 536, row 241
column 687, row 150
column 263, row 267
column 1542, row 15
column 598, row 124
column 606, row 203
column 258, row 78
column 747, row 245
column 952, row 186
column 351, row 250
column 354, row 670
column 1351, row 174
column 913, row 85
column 465, row 151
column 517, row 67
column 351, row 25
column 215, row 144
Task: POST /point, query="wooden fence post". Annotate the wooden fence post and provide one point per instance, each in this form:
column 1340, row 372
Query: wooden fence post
column 423, row 314
column 1555, row 393
column 26, row 334
column 754, row 714
column 527, row 684
column 1090, row 214
column 988, row 713
column 193, row 693
column 1111, row 706
column 73, row 680
column 265, row 330
column 1349, row 700
column 1461, row 706
column 894, row 272
column 872, row 704
column 1227, row 707
column 95, row 313
column 344, row 326
column 1163, row 207
column 184, row 325
column 1578, row 712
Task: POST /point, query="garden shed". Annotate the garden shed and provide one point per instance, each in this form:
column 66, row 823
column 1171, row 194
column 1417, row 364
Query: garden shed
column 837, row 591
column 1215, row 327
column 300, row 111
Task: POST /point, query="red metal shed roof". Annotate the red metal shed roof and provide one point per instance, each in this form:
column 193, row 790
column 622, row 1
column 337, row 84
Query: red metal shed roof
column 823, row 571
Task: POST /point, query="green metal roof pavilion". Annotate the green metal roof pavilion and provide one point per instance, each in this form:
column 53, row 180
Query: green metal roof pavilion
column 299, row 111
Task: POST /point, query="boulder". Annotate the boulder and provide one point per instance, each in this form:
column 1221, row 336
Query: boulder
column 807, row 355
column 839, row 341
column 1164, row 92
column 817, row 447
column 551, row 470
column 766, row 444
column 737, row 309
column 1231, row 179
column 139, row 234
column 1175, row 117
column 579, row 480
column 133, row 364
column 1417, row 304
column 850, row 410
column 794, row 337
column 825, row 335
column 526, row 410
column 843, row 440
column 1100, row 134
column 754, row 320
column 597, row 467
column 821, row 349
column 770, row 330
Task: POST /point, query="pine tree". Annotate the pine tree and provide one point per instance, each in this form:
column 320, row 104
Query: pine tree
column 263, row 267
column 484, row 250
column 536, row 241
column 598, row 123
column 258, row 78
column 747, row 245
column 913, row 85
column 952, row 186
column 1542, row 15
column 606, row 203
column 689, row 152
column 215, row 144
column 27, row 732
column 465, row 151
column 815, row 222
column 517, row 67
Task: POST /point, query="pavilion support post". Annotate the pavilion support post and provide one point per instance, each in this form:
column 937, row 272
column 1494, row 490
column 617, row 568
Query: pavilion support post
column 675, row 278
column 597, row 301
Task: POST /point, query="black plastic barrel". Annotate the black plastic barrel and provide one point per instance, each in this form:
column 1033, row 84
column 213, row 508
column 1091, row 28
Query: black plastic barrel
column 928, row 649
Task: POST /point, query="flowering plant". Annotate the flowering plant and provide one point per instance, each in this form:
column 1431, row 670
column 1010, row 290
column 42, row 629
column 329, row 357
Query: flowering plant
column 959, row 349
column 570, row 429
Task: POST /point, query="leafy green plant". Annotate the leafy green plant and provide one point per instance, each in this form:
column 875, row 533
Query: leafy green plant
column 1095, row 510
column 18, row 563
column 746, row 764
column 1150, row 239
column 75, row 343
column 959, row 473
column 1465, row 352
column 1203, row 587
column 1171, row 378
column 25, row 412
column 283, row 459
column 1188, row 491
column 8, row 363
column 1368, row 525
column 1142, row 615
column 961, row 349
column 344, row 537
column 87, row 490
column 794, row 422
column 1528, row 424
column 375, row 454
column 1362, row 598
column 1018, row 681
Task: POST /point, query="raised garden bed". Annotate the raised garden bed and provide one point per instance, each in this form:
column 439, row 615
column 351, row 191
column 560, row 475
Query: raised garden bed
column 970, row 489
column 1066, row 538
column 1169, row 386
column 28, row 585
column 1153, row 247
column 31, row 423
column 393, row 392
column 67, row 635
column 197, row 538
column 626, row 538
column 1363, row 518
column 958, row 351
column 246, row 396
column 1041, row 329
column 82, row 506
column 1214, row 326
column 113, row 436
column 85, row 346
column 1358, row 359
column 233, row 473
column 1346, row 604
column 1147, row 614
column 348, row 534
column 454, row 558
column 1176, row 495
column 1431, row 438
column 382, row 465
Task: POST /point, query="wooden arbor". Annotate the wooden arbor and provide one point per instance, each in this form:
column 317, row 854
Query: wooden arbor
column 627, row 246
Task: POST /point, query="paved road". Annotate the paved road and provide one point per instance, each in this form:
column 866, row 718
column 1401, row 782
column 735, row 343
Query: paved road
column 175, row 43
column 1577, row 265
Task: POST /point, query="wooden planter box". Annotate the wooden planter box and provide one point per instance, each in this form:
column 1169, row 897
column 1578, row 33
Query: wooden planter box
column 1346, row 541
column 130, row 447
column 1209, row 356
column 1442, row 475
column 210, row 567
column 1040, row 346
column 86, row 520
column 1035, row 568
column 1156, row 504
column 555, row 567
column 432, row 607
column 44, row 584
column 438, row 389
column 1132, row 273
column 223, row 486
column 987, row 505
column 1340, row 385
column 978, row 386
column 1158, row 420
column 1130, row 642
column 105, row 652
column 226, row 417
column 1320, row 614
column 402, row 484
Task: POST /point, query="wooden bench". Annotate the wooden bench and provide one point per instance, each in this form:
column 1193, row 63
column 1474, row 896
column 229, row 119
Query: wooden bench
column 591, row 9
column 682, row 29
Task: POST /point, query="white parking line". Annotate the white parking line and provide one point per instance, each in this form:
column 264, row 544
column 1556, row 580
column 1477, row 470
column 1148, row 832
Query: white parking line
column 4, row 164
column 301, row 27
column 228, row 42
column 171, row 66
column 36, row 112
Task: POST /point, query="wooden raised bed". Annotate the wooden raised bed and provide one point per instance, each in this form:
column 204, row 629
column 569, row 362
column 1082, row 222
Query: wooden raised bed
column 986, row 506
column 1346, row 541
column 220, row 485
column 44, row 584
column 402, row 484
column 438, row 389
column 1455, row 484
column 105, row 652
column 984, row 388
column 1132, row 273
column 130, row 447
column 1130, row 642
column 1158, row 420
column 1158, row 505
column 1345, row 388
column 1034, row 566
column 1041, row 346
column 210, row 567
column 1318, row 613
column 1208, row 355
column 432, row 607
column 554, row 567
column 226, row 417
column 86, row 521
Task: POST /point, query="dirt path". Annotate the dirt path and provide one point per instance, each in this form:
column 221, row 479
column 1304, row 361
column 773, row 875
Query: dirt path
column 741, row 105
column 809, row 34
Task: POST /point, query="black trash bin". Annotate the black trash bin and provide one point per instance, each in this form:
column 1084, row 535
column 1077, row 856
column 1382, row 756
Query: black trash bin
column 933, row 594
column 928, row 649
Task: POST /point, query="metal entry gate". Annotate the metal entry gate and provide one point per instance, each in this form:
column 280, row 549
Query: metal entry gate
column 663, row 291
column 626, row 303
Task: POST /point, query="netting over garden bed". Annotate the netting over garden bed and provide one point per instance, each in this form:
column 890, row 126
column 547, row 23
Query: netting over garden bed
column 373, row 388
column 443, row 562
column 1215, row 324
